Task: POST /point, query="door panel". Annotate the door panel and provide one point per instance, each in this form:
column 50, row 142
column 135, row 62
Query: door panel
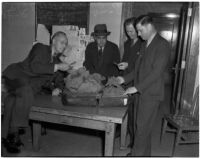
column 167, row 27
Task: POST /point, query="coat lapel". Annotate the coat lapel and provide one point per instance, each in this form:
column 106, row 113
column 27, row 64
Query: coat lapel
column 96, row 54
column 153, row 42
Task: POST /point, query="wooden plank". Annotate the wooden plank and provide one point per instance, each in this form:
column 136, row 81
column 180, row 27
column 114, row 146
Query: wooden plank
column 109, row 139
column 68, row 120
column 76, row 114
column 189, row 142
column 49, row 104
column 36, row 135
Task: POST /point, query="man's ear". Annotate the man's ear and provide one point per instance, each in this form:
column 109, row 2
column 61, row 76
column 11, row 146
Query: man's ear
column 53, row 41
column 149, row 26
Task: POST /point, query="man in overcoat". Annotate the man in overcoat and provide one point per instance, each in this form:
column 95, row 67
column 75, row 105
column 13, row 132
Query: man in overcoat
column 102, row 55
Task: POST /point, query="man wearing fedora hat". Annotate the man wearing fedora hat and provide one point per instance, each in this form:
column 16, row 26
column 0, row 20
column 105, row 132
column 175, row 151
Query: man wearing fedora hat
column 101, row 55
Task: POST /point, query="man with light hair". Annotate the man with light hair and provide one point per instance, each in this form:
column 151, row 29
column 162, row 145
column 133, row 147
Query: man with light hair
column 25, row 79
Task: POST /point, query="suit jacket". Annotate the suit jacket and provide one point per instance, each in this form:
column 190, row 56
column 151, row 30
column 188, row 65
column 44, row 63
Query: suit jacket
column 131, row 53
column 110, row 56
column 38, row 64
column 148, row 74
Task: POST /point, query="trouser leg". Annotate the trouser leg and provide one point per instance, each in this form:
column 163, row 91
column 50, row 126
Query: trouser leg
column 146, row 114
column 130, row 122
column 18, row 104
column 23, row 103
column 9, row 105
column 133, row 116
column 135, row 108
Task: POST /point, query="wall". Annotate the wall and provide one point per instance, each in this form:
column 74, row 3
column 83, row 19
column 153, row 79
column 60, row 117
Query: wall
column 18, row 31
column 140, row 8
column 108, row 13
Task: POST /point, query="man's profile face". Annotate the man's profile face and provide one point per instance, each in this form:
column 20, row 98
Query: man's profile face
column 144, row 31
column 131, row 32
column 101, row 40
column 60, row 44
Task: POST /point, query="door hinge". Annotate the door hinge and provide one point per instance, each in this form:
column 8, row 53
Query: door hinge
column 183, row 65
column 189, row 12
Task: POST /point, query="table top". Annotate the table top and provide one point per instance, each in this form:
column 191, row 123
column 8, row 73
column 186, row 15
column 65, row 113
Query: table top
column 53, row 105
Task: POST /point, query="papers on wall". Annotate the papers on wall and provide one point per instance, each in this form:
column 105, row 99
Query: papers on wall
column 70, row 31
column 43, row 35
column 77, row 42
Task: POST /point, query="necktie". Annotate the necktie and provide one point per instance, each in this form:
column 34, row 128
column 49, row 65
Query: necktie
column 100, row 54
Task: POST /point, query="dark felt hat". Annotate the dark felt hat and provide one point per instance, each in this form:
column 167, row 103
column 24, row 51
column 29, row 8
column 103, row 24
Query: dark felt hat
column 100, row 30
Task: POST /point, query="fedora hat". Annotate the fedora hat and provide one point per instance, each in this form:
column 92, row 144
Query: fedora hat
column 100, row 30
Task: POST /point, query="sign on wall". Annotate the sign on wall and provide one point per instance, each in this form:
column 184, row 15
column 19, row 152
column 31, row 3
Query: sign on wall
column 63, row 13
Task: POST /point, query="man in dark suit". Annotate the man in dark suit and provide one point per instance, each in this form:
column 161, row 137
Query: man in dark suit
column 101, row 55
column 148, row 88
column 25, row 79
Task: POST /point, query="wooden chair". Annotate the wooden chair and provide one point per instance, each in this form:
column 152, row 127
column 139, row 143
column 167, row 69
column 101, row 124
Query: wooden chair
column 182, row 125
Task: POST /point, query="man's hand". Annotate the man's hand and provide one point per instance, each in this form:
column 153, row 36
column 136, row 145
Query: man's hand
column 61, row 67
column 56, row 92
column 62, row 58
column 130, row 90
column 122, row 65
column 120, row 79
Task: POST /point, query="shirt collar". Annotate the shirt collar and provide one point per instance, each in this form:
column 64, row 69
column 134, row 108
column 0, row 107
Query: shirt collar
column 52, row 51
column 101, row 48
column 133, row 42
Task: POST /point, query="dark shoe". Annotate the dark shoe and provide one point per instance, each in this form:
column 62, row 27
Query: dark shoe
column 21, row 131
column 14, row 139
column 10, row 147
column 129, row 154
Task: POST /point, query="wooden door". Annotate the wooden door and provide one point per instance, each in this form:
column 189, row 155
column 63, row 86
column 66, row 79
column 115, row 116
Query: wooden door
column 189, row 57
column 168, row 27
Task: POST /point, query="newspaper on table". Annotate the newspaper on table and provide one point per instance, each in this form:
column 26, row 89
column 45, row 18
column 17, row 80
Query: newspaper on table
column 77, row 42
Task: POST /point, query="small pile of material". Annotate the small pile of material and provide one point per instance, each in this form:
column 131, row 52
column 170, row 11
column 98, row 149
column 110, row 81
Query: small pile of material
column 113, row 88
column 81, row 81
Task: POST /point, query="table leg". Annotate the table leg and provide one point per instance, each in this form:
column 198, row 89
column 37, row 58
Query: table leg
column 176, row 141
column 36, row 135
column 124, row 132
column 163, row 128
column 109, row 139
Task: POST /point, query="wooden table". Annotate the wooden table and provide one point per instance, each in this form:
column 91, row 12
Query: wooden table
column 50, row 109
